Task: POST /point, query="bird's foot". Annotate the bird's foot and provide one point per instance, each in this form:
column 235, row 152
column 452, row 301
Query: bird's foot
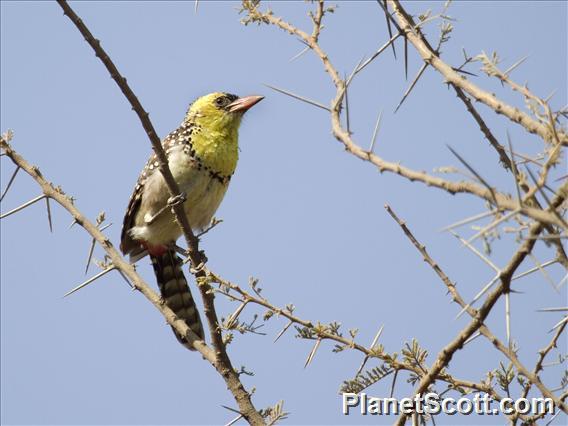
column 177, row 199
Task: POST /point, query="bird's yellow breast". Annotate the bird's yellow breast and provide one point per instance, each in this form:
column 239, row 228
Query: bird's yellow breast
column 217, row 147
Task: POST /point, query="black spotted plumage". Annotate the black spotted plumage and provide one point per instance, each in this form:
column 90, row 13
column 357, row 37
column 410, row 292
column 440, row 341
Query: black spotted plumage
column 181, row 136
column 202, row 155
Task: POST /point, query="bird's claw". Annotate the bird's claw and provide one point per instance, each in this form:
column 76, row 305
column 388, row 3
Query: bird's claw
column 197, row 269
column 177, row 199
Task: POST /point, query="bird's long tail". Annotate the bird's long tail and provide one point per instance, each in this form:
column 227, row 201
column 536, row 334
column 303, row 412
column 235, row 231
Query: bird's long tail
column 175, row 292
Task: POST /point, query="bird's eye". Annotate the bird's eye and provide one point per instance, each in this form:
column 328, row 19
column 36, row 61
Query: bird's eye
column 221, row 101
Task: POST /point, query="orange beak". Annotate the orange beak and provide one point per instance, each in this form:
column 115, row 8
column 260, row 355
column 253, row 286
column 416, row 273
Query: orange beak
column 244, row 104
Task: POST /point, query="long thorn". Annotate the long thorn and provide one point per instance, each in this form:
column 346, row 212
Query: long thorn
column 515, row 65
column 233, row 317
column 508, row 318
column 493, row 225
column 213, row 224
column 559, row 323
column 312, row 353
column 562, row 309
column 472, row 337
column 549, row 422
column 547, row 237
column 376, row 132
column 387, row 17
column 393, row 383
column 296, row 56
column 279, row 335
column 126, row 279
column 536, row 268
column 90, row 255
column 420, row 72
column 533, row 178
column 514, row 169
column 549, row 97
column 377, row 336
column 373, row 343
column 89, row 281
column 10, row 182
column 469, row 219
column 542, row 271
column 49, row 214
column 377, row 53
column 355, row 71
column 231, row 409
column 384, row 6
column 300, row 98
column 346, row 100
column 475, row 251
column 526, row 158
column 23, row 206
column 235, row 420
column 362, row 365
column 472, row 170
column 478, row 295
column 406, row 58
column 105, row 227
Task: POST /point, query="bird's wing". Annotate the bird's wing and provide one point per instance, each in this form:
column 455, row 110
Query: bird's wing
column 127, row 244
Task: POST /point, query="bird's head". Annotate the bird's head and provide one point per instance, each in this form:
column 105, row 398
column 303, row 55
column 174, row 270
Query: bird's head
column 220, row 111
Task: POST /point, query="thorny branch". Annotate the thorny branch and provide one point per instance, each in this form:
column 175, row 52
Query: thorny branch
column 58, row 195
column 505, row 276
column 544, row 124
column 430, row 56
column 446, row 354
column 318, row 331
column 502, row 201
column 221, row 359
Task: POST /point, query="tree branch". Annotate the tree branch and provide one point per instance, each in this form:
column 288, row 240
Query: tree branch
column 223, row 363
column 445, row 355
column 430, row 56
column 483, row 329
column 502, row 201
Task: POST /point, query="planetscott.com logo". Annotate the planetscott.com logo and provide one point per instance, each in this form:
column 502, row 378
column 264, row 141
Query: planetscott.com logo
column 433, row 404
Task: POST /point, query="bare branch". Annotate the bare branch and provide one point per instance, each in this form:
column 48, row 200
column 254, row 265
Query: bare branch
column 431, row 57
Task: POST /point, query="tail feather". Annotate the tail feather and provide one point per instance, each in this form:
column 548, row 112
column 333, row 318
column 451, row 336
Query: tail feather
column 175, row 292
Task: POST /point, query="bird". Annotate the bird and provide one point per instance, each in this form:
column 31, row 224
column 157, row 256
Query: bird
column 202, row 156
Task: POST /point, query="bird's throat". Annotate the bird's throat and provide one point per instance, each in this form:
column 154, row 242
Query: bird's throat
column 218, row 150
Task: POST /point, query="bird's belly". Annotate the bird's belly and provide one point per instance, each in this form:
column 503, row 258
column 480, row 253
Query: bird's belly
column 203, row 196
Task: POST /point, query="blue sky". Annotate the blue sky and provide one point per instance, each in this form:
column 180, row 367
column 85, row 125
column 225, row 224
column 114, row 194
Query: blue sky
column 302, row 215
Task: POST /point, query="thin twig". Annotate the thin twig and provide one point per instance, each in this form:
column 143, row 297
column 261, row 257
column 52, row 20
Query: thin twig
column 430, row 56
